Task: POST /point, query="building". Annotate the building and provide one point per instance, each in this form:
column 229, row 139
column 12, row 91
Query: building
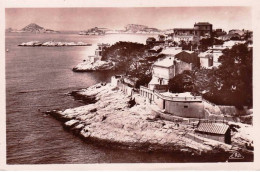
column 171, row 51
column 176, row 104
column 236, row 31
column 216, row 131
column 206, row 60
column 226, row 44
column 162, row 72
column 199, row 29
column 183, row 31
column 175, row 63
column 185, row 38
column 230, row 36
column 100, row 50
column 98, row 53
column 203, row 29
column 219, row 32
column 189, row 57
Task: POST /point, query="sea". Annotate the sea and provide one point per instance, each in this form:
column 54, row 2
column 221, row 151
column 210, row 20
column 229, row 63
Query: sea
column 38, row 79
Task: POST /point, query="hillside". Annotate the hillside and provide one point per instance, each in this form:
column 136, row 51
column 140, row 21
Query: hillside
column 36, row 29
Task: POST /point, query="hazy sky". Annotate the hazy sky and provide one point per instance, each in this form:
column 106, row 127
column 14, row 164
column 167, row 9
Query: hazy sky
column 116, row 18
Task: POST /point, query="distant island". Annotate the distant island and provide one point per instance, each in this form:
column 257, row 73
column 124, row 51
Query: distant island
column 130, row 28
column 52, row 44
column 135, row 28
column 32, row 28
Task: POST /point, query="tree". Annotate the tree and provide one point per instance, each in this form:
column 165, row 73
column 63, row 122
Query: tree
column 205, row 43
column 235, row 74
column 181, row 83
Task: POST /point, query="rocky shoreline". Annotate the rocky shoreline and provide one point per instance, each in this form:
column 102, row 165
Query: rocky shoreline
column 52, row 44
column 111, row 120
column 88, row 66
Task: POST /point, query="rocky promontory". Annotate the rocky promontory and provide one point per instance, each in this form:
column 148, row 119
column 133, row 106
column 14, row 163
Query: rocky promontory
column 99, row 65
column 52, row 44
column 131, row 122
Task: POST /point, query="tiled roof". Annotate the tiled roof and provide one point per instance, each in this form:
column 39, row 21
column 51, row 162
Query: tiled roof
column 210, row 127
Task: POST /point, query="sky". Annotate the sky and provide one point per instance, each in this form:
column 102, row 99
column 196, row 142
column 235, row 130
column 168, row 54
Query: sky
column 76, row 19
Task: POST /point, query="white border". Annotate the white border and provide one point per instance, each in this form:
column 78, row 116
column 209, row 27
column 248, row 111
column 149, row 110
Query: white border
column 134, row 3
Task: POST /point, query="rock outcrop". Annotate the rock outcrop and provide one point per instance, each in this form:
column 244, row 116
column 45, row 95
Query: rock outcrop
column 98, row 65
column 111, row 119
column 52, row 44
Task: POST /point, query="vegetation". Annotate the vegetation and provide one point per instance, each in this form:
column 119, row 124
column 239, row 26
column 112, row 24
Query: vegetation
column 230, row 84
column 205, row 43
column 132, row 59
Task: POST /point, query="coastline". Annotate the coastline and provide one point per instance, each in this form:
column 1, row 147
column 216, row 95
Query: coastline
column 114, row 119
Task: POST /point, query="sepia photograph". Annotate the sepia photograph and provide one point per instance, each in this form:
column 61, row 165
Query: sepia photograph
column 90, row 85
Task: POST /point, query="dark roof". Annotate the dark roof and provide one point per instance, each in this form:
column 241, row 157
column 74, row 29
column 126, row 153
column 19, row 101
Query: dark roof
column 214, row 128
column 189, row 58
column 203, row 23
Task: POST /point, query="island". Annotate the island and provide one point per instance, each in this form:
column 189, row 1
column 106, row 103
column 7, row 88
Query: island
column 129, row 29
column 52, row 44
column 32, row 28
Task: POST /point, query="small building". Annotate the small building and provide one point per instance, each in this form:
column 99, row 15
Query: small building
column 236, row 31
column 150, row 41
column 230, row 36
column 220, row 32
column 100, row 50
column 215, row 131
column 189, row 57
column 206, row 60
column 226, row 44
column 200, row 29
column 181, row 104
column 162, row 71
column 165, row 69
column 115, row 80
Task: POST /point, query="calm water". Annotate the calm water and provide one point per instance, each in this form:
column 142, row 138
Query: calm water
column 37, row 80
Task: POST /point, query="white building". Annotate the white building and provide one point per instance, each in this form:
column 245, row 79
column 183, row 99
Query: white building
column 185, row 38
column 206, row 60
column 165, row 69
column 162, row 72
column 227, row 44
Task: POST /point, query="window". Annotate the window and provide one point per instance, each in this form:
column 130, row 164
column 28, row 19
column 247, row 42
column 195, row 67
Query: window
column 185, row 106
